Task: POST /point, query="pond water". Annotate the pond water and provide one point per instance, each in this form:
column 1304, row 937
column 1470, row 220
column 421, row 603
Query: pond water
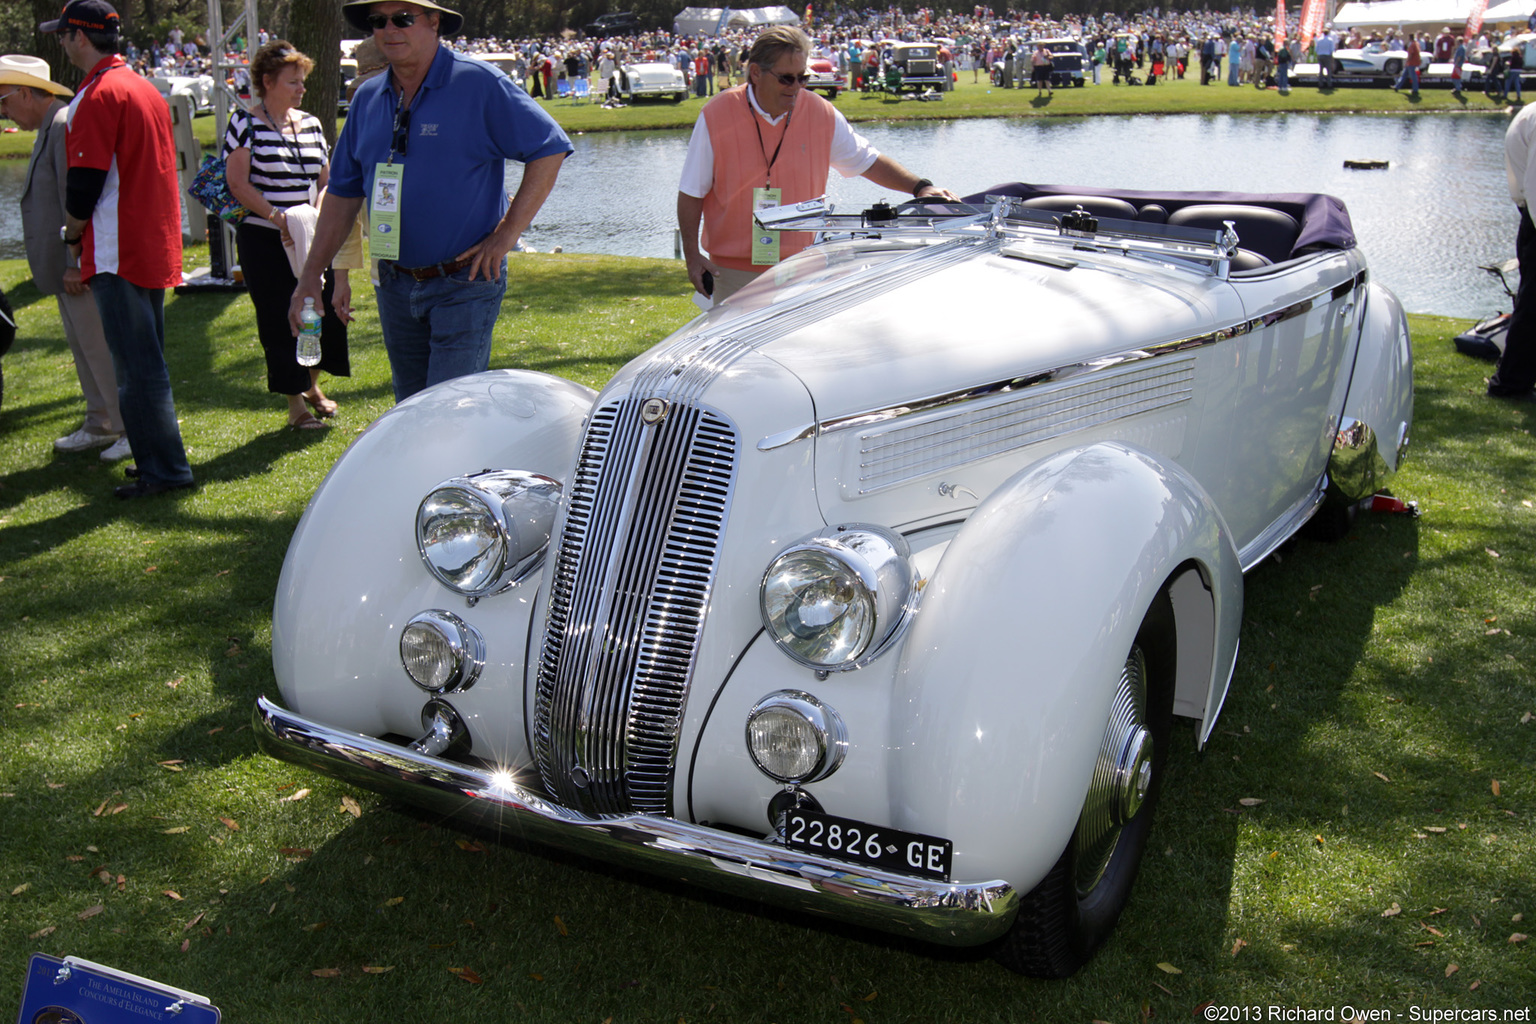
column 1426, row 223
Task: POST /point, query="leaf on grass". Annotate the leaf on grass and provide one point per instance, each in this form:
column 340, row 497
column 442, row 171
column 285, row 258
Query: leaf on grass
column 1492, row 553
column 1434, row 828
column 394, row 901
column 370, row 969
column 1475, row 985
column 296, row 852
column 560, row 926
column 536, row 977
column 173, row 683
column 1436, row 932
column 230, row 823
column 186, row 944
column 1495, row 787
column 23, row 887
column 188, row 926
column 351, row 807
column 215, row 729
column 1319, row 840
column 1238, row 945
column 326, row 972
column 298, row 795
column 1168, row 968
column 178, row 830
column 174, row 766
column 172, row 893
column 1380, row 776
column 1518, row 937
column 1451, row 969
column 1250, row 801
column 471, row 846
column 468, row 975
column 44, row 932
column 117, row 808
column 1392, row 911
column 233, row 651
column 90, row 912
column 99, row 808
column 317, row 926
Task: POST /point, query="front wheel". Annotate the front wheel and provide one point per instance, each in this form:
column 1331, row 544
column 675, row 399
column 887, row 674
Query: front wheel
column 1064, row 919
column 1393, row 68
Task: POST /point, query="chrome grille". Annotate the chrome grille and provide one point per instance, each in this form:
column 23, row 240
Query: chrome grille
column 628, row 597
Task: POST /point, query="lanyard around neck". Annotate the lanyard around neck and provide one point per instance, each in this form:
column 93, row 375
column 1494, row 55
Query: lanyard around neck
column 770, row 160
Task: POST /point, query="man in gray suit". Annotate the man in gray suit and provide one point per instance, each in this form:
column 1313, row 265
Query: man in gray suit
column 29, row 98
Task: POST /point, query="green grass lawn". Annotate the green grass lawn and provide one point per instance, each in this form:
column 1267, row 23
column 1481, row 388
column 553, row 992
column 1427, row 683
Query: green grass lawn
column 1358, row 832
column 970, row 99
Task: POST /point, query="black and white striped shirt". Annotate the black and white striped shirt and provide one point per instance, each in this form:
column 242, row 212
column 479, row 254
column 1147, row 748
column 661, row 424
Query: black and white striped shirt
column 282, row 165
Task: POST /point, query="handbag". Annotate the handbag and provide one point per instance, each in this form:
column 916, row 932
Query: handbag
column 210, row 188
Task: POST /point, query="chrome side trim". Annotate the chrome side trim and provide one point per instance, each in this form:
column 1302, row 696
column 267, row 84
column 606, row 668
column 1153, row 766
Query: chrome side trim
column 1283, row 528
column 945, row 913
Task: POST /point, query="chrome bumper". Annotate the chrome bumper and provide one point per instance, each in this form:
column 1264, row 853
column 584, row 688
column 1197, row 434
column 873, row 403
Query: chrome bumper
column 946, row 913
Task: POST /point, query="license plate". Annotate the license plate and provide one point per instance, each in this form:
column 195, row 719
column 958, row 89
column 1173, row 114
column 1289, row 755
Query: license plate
column 889, row 849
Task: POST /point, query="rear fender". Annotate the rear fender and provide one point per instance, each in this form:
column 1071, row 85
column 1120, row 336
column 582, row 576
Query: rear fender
column 1004, row 683
column 1373, row 434
column 352, row 575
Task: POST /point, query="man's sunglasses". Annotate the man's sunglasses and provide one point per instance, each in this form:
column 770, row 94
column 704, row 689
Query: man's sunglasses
column 400, row 19
column 789, row 80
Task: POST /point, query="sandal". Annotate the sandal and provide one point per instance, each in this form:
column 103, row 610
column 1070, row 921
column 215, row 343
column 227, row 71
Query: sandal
column 324, row 408
column 307, row 422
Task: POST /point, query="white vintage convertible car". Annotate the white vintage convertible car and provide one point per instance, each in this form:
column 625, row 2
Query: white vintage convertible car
column 651, row 80
column 873, row 590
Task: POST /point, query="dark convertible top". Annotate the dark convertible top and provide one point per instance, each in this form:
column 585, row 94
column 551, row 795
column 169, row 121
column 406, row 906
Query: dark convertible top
column 1323, row 219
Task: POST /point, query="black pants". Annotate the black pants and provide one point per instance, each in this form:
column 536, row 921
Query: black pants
column 270, row 281
column 1517, row 368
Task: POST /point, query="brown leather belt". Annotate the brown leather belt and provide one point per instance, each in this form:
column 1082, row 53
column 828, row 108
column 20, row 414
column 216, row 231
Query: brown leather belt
column 436, row 269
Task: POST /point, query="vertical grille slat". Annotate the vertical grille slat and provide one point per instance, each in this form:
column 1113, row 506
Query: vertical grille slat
column 627, row 603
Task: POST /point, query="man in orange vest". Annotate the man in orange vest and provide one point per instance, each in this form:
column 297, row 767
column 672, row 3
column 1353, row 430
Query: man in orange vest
column 768, row 143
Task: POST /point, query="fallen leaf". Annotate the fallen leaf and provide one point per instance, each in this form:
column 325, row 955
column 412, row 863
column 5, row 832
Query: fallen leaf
column 1380, row 776
column 317, row 926
column 90, row 912
column 367, row 969
column 394, row 901
column 299, row 795
column 173, row 766
column 326, row 972
column 172, row 893
column 1492, row 552
column 1237, row 946
column 44, row 932
column 23, row 887
column 1436, row 932
column 1250, row 801
column 1168, row 968
column 99, row 808
column 173, row 683
column 186, row 944
column 1451, row 969
column 1434, row 828
column 117, row 808
column 1392, row 911
column 1475, row 985
column 1518, row 937
column 351, row 807
column 189, row 924
column 560, row 925
column 178, row 830
column 1495, row 787
column 1518, row 918
column 871, row 997
column 467, row 974
column 230, row 823
column 536, row 977
column 296, row 852
column 471, row 846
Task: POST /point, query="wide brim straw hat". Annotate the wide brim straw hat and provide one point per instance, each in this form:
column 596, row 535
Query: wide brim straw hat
column 356, row 12
column 18, row 69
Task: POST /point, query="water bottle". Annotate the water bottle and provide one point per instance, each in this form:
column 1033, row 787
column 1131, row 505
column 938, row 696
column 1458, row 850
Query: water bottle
column 308, row 351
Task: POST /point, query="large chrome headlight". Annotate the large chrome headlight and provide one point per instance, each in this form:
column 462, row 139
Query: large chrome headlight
column 836, row 599
column 480, row 534
column 795, row 738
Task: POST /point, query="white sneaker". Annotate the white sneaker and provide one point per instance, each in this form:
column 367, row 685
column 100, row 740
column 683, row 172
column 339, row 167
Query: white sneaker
column 119, row 450
column 82, row 440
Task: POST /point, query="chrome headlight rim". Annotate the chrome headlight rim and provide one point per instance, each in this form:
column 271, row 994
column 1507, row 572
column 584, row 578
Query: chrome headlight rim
column 880, row 560
column 826, row 726
column 465, row 646
column 500, row 494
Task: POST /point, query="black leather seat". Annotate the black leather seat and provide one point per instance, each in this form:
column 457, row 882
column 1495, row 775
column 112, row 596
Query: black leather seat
column 1270, row 234
column 1099, row 206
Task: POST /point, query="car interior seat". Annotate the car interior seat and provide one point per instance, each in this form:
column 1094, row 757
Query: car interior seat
column 1266, row 236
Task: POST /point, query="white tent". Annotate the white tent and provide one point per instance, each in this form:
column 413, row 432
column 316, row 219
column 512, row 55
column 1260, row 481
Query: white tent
column 1510, row 10
column 711, row 21
column 1414, row 14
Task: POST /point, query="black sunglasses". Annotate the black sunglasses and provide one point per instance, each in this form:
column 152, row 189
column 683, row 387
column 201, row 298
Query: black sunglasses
column 400, row 19
column 789, row 79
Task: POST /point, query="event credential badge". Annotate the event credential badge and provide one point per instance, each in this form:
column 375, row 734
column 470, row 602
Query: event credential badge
column 765, row 243
column 384, row 211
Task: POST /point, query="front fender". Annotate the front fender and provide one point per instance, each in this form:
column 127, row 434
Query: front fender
column 352, row 575
column 1003, row 688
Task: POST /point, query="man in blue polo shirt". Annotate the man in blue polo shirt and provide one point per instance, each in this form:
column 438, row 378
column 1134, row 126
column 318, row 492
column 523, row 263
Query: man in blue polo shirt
column 424, row 147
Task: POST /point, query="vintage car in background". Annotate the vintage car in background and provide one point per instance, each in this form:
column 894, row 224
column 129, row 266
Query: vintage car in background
column 862, row 593
column 825, row 78
column 1376, row 59
column 650, row 81
column 198, row 88
column 914, row 66
column 1068, row 59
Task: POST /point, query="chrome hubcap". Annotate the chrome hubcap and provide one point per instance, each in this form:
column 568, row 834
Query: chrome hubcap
column 1121, row 778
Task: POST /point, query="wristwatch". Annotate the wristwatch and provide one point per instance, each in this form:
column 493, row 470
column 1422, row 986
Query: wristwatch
column 64, row 236
column 922, row 183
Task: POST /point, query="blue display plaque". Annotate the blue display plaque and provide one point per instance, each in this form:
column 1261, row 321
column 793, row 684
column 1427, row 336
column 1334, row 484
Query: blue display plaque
column 75, row 991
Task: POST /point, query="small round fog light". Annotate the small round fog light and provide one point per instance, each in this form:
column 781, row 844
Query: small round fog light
column 441, row 652
column 795, row 738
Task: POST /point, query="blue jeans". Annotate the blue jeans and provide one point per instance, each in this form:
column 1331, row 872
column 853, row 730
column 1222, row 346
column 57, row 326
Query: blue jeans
column 1410, row 78
column 439, row 329
column 1283, row 76
column 133, row 320
column 1512, row 82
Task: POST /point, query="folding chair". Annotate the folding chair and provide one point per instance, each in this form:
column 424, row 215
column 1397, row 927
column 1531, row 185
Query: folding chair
column 583, row 91
column 562, row 88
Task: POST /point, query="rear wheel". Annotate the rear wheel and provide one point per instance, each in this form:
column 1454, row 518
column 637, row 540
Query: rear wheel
column 1065, row 918
column 1393, row 67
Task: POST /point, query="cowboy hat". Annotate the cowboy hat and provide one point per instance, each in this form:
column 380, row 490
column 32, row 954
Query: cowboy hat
column 356, row 13
column 16, row 69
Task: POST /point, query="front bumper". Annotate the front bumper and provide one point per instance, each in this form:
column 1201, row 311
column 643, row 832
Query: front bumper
column 946, row 913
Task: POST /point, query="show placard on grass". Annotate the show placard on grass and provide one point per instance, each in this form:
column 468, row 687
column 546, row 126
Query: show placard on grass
column 75, row 991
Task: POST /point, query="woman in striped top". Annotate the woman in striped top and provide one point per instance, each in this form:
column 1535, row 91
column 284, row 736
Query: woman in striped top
column 276, row 158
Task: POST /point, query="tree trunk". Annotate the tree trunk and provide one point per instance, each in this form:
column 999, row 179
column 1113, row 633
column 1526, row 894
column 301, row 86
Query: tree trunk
column 315, row 29
column 47, row 46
